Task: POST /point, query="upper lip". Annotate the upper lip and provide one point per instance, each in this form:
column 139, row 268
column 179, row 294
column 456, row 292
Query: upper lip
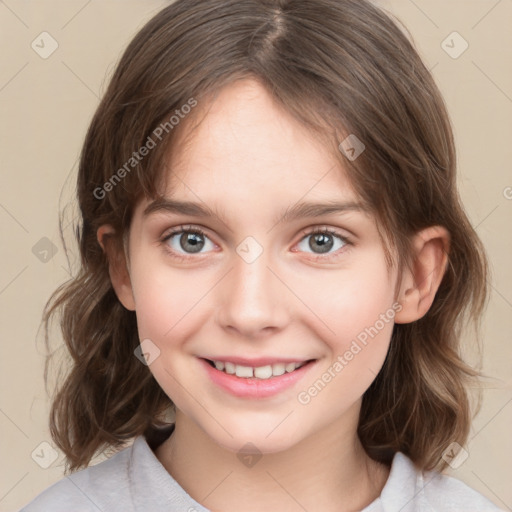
column 257, row 362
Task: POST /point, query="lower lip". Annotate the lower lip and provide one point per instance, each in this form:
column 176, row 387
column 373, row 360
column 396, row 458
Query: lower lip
column 253, row 387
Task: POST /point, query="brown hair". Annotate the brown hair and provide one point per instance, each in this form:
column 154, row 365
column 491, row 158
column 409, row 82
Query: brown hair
column 340, row 67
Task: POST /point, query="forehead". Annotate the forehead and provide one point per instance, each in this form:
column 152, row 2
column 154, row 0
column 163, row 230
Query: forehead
column 246, row 151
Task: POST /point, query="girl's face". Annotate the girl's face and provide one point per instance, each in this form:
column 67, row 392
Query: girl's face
column 259, row 285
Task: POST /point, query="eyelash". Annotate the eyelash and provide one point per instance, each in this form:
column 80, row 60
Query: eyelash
column 198, row 231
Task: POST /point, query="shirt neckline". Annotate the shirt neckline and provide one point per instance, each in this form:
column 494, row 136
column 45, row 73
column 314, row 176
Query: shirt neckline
column 398, row 493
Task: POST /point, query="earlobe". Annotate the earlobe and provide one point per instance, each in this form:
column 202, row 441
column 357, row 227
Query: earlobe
column 117, row 267
column 420, row 284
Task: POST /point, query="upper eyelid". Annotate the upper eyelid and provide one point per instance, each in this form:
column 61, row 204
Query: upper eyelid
column 305, row 231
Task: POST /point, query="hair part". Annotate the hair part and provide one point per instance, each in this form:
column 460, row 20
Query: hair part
column 339, row 67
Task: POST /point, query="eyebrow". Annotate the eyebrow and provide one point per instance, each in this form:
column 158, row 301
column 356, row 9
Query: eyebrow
column 295, row 212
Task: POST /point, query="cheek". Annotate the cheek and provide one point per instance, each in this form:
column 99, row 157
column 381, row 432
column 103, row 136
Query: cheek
column 165, row 299
column 167, row 309
column 351, row 299
column 354, row 313
column 360, row 320
column 365, row 312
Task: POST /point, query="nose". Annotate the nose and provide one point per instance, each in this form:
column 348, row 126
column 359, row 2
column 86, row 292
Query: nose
column 253, row 299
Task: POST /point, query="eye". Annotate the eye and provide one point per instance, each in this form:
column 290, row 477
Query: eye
column 184, row 241
column 323, row 241
column 191, row 240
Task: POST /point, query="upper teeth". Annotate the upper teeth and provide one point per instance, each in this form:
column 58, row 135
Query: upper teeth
column 262, row 372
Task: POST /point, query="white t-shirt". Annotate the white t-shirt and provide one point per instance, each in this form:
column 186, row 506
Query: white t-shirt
column 134, row 480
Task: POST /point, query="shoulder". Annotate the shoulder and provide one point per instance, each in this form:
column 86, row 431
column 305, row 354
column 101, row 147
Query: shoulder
column 89, row 489
column 444, row 492
column 429, row 491
column 131, row 480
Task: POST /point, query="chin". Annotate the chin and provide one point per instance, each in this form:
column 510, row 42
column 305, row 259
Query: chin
column 237, row 435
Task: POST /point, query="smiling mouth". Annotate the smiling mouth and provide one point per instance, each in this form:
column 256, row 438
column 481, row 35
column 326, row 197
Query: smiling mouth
column 261, row 372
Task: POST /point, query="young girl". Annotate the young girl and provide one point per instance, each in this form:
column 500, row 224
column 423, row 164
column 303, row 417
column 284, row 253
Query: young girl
column 275, row 272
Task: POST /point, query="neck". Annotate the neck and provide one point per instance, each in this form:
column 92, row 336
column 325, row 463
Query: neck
column 327, row 471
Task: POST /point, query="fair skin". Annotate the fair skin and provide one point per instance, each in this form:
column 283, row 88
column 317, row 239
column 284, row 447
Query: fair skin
column 251, row 161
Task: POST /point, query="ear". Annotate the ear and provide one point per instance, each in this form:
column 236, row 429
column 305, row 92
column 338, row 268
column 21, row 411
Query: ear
column 419, row 285
column 117, row 267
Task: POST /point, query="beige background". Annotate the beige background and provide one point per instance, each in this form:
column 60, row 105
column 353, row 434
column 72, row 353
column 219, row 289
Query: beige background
column 46, row 105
